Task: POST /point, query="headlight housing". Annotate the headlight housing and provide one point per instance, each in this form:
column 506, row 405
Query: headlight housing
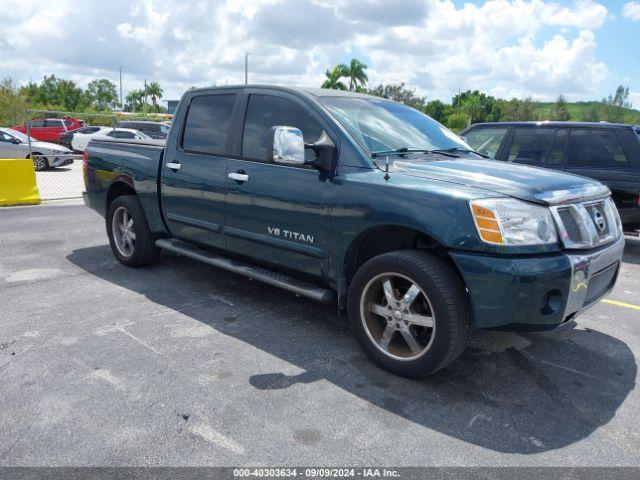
column 511, row 222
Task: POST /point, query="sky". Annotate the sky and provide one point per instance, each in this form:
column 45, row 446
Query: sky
column 582, row 49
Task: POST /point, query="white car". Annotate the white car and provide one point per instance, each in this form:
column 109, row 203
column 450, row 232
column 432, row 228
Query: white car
column 14, row 144
column 82, row 137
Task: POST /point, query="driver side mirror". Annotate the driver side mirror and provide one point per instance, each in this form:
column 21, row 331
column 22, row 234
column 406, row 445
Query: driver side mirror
column 286, row 146
column 15, row 141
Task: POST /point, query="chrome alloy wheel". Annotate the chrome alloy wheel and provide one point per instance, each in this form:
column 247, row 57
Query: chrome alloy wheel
column 397, row 316
column 39, row 162
column 123, row 233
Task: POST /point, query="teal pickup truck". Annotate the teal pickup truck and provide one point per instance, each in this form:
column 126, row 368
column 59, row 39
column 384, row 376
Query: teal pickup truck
column 365, row 202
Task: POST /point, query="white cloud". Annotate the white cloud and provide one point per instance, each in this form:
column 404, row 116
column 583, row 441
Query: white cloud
column 507, row 47
column 631, row 11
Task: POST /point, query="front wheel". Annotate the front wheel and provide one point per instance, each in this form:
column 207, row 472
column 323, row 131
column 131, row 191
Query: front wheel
column 40, row 162
column 128, row 231
column 410, row 312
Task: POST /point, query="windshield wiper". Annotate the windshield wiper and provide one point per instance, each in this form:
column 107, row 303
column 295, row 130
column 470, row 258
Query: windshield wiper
column 399, row 151
column 463, row 150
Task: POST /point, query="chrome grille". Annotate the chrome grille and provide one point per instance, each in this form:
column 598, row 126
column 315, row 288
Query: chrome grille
column 587, row 224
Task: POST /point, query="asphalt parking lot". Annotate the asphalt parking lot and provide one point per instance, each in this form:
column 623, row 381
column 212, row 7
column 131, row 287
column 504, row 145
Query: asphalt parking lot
column 182, row 364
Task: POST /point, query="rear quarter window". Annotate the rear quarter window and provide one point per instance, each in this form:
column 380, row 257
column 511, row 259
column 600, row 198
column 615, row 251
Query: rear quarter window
column 592, row 147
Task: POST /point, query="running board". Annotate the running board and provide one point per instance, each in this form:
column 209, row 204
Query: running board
column 262, row 274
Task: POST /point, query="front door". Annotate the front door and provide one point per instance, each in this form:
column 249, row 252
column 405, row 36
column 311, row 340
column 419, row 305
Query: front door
column 276, row 213
column 194, row 176
column 9, row 149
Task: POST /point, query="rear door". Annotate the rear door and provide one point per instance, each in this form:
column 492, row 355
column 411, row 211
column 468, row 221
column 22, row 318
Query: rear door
column 51, row 130
column 194, row 175
column 277, row 213
column 602, row 154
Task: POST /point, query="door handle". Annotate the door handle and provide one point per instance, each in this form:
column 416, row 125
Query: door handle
column 239, row 176
column 174, row 166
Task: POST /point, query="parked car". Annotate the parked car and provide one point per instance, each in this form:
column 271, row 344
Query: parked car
column 82, row 137
column 14, row 144
column 157, row 130
column 66, row 138
column 50, row 129
column 365, row 202
column 608, row 152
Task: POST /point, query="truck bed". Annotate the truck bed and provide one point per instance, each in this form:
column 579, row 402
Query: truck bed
column 135, row 163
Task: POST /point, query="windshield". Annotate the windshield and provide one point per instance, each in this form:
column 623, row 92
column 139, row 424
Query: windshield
column 381, row 125
column 19, row 135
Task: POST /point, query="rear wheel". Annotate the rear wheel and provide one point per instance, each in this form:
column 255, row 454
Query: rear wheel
column 129, row 235
column 410, row 313
column 40, row 162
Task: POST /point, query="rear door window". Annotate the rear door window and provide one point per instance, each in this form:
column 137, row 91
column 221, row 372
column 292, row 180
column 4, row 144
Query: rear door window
column 531, row 146
column 208, row 123
column 596, row 148
column 52, row 123
column 486, row 140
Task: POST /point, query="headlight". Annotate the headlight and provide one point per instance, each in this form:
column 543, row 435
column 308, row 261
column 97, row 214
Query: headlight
column 506, row 221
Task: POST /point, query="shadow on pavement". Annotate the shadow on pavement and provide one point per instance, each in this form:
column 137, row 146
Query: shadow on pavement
column 511, row 393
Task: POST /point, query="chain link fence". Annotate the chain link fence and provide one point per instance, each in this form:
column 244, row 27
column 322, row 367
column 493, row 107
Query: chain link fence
column 58, row 171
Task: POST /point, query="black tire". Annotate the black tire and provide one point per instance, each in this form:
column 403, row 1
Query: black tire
column 446, row 297
column 40, row 162
column 144, row 250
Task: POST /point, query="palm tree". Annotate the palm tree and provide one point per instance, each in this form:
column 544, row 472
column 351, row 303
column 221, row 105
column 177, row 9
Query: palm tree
column 333, row 79
column 155, row 90
column 134, row 99
column 355, row 72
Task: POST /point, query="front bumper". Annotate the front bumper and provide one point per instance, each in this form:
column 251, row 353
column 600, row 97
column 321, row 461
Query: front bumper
column 544, row 291
column 61, row 161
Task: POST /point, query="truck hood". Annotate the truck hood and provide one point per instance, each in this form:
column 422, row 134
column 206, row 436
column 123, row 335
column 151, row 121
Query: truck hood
column 538, row 185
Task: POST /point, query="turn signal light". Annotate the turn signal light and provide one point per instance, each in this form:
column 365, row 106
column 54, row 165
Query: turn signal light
column 487, row 225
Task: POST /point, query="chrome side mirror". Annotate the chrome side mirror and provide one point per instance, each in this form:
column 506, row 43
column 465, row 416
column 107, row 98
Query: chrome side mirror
column 286, row 145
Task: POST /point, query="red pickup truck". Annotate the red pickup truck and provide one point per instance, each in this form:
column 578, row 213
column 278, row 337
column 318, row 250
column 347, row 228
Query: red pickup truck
column 49, row 129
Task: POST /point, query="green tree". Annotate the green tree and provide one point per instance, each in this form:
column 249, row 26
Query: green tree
column 54, row 93
column 473, row 108
column 332, row 80
column 102, row 94
column 516, row 110
column 560, row 111
column 134, row 100
column 437, row 110
column 12, row 104
column 399, row 93
column 456, row 121
column 614, row 106
column 591, row 114
column 489, row 110
column 154, row 90
column 355, row 71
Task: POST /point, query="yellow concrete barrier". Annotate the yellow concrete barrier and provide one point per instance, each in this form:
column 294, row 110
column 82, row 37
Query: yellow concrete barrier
column 18, row 182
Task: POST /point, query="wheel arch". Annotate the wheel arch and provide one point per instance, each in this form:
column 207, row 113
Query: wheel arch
column 118, row 189
column 384, row 239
